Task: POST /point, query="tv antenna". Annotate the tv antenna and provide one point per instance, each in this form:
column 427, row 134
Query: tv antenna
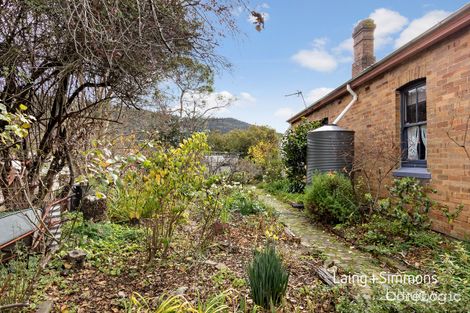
column 298, row 94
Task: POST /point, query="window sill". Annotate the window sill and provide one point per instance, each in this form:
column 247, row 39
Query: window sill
column 416, row 172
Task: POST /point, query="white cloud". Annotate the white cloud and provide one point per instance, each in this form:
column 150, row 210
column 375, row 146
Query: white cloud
column 219, row 103
column 246, row 97
column 320, row 59
column 391, row 28
column 223, row 95
column 420, row 25
column 237, row 11
column 284, row 113
column 202, row 101
column 344, row 51
column 264, row 5
column 345, row 45
column 320, row 42
column 387, row 23
column 317, row 58
column 317, row 93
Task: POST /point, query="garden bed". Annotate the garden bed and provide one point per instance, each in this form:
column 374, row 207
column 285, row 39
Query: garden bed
column 116, row 269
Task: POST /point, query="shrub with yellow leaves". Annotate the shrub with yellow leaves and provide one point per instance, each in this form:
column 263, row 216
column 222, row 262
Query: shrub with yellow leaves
column 16, row 124
column 266, row 154
column 154, row 189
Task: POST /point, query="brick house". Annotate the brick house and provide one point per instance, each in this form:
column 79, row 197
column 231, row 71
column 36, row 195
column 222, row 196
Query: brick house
column 419, row 98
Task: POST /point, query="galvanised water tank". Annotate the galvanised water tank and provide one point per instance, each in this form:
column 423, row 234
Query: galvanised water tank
column 329, row 148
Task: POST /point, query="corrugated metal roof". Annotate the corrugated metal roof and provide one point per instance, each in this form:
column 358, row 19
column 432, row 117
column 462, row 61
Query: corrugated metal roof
column 16, row 224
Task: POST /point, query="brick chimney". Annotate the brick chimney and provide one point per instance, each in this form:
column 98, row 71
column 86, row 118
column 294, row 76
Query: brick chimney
column 363, row 36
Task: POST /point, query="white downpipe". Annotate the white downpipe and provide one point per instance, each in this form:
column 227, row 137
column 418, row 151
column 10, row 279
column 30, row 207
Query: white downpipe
column 354, row 99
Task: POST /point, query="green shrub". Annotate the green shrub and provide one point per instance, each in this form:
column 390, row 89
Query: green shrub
column 209, row 209
column 277, row 186
column 245, row 203
column 401, row 222
column 281, row 189
column 410, row 204
column 426, row 239
column 17, row 278
column 330, row 197
column 267, row 278
column 294, row 154
column 106, row 244
column 240, row 140
column 408, row 207
column 157, row 190
column 453, row 273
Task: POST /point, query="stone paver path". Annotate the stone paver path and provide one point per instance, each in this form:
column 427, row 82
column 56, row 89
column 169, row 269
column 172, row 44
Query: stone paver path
column 343, row 254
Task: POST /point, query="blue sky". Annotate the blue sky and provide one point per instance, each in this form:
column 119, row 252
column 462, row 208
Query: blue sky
column 306, row 46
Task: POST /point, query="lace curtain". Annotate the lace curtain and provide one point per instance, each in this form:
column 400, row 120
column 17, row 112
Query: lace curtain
column 424, row 139
column 413, row 140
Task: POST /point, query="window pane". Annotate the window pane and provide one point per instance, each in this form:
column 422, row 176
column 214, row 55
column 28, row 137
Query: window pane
column 411, row 96
column 422, row 112
column 421, row 93
column 411, row 106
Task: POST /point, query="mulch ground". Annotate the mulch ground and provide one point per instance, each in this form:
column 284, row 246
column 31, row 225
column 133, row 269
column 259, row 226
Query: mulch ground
column 195, row 275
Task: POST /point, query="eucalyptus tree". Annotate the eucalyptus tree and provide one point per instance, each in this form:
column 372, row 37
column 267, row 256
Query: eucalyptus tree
column 188, row 98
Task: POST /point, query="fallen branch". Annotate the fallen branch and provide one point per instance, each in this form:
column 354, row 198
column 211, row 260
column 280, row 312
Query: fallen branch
column 325, row 276
column 14, row 305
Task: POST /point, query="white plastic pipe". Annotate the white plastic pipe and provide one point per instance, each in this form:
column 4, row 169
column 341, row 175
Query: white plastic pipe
column 354, row 99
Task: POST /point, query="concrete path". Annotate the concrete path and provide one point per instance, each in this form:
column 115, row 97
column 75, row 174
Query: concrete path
column 337, row 250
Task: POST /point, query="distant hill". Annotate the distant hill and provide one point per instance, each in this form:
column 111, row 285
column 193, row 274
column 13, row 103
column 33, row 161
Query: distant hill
column 136, row 121
column 225, row 124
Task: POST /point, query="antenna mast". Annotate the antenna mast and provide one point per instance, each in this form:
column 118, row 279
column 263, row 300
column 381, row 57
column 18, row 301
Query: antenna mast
column 298, row 93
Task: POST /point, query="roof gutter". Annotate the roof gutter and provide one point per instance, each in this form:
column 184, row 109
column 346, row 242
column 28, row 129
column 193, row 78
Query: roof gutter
column 452, row 24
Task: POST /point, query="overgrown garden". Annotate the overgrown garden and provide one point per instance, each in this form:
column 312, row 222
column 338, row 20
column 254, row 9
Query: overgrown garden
column 147, row 222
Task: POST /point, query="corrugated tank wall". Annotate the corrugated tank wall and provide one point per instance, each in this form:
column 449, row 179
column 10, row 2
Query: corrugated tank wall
column 329, row 148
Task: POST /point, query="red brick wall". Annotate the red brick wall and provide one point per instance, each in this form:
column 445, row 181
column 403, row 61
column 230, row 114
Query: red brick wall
column 446, row 67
